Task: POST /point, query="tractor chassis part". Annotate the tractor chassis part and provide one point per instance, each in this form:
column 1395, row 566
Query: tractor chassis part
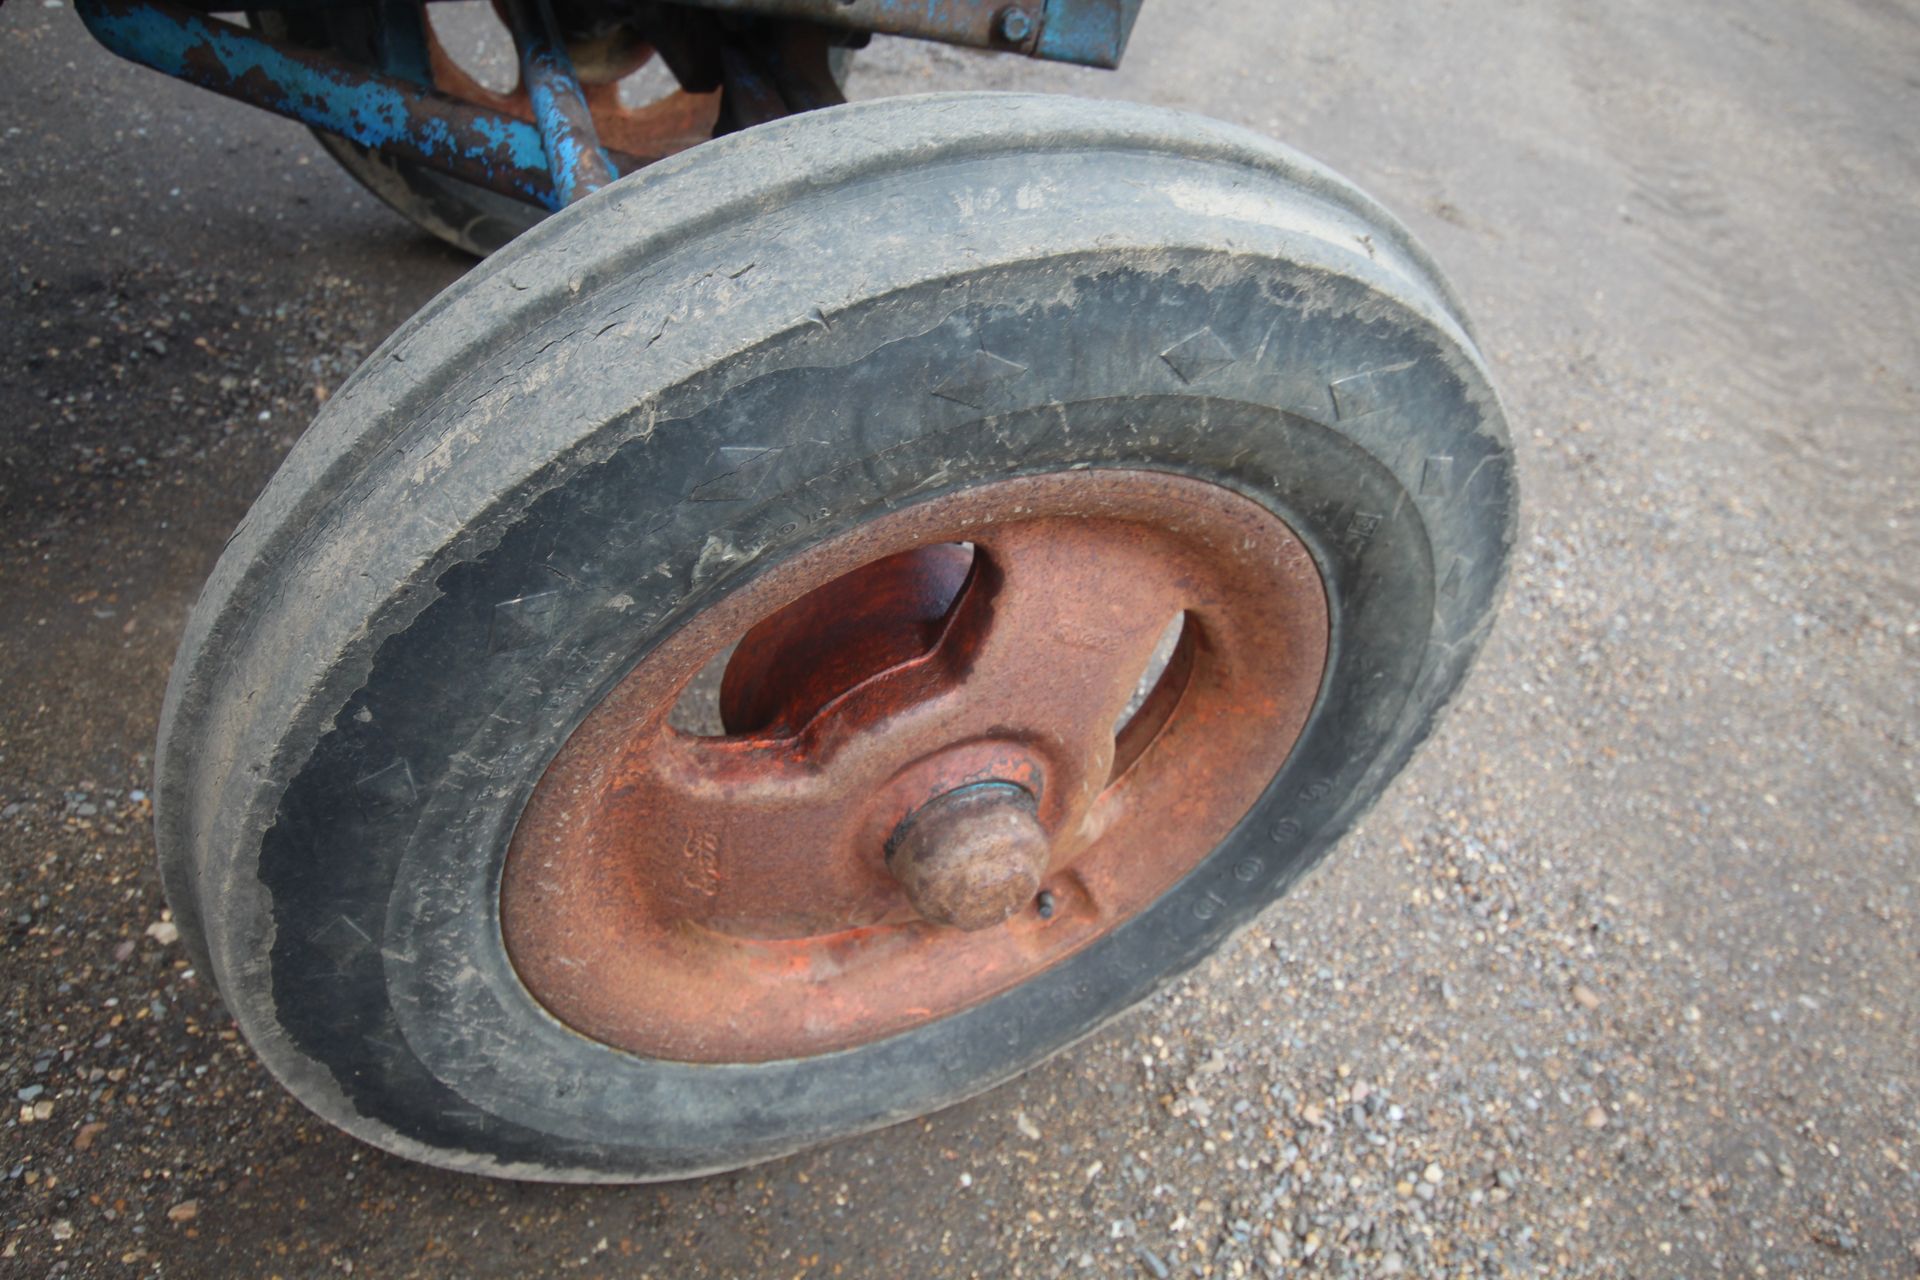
column 378, row 111
column 770, row 58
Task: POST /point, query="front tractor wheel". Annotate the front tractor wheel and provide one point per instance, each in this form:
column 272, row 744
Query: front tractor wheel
column 821, row 625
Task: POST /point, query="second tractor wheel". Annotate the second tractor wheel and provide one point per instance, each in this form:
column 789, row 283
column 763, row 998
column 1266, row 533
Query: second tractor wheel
column 812, row 630
column 401, row 41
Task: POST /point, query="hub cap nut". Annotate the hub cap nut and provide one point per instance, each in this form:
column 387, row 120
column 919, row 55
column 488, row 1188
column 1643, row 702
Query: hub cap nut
column 973, row 857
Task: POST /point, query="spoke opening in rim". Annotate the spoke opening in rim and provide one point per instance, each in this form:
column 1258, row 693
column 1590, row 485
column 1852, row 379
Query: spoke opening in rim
column 1157, row 693
column 797, row 660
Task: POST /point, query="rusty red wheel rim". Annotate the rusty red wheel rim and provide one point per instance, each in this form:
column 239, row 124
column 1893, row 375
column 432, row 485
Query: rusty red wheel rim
column 924, row 692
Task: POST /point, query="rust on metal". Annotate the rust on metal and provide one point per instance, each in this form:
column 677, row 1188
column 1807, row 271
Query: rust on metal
column 560, row 109
column 732, row 898
column 790, row 666
column 972, row 857
column 634, row 133
column 452, row 132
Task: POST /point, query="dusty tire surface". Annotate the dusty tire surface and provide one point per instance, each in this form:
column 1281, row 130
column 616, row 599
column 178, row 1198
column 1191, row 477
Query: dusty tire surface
column 683, row 380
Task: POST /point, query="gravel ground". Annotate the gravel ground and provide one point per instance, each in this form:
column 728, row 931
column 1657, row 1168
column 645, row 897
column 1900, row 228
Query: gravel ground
column 1619, row 979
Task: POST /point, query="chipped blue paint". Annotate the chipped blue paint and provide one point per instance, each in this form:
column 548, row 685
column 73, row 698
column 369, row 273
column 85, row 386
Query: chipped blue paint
column 560, row 112
column 373, row 110
column 566, row 155
column 1092, row 33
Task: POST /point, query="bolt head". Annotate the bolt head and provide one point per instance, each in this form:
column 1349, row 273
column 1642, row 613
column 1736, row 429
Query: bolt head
column 972, row 857
column 1016, row 24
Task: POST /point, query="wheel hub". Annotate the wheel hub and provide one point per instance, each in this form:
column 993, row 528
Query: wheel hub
column 972, row 857
column 933, row 725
